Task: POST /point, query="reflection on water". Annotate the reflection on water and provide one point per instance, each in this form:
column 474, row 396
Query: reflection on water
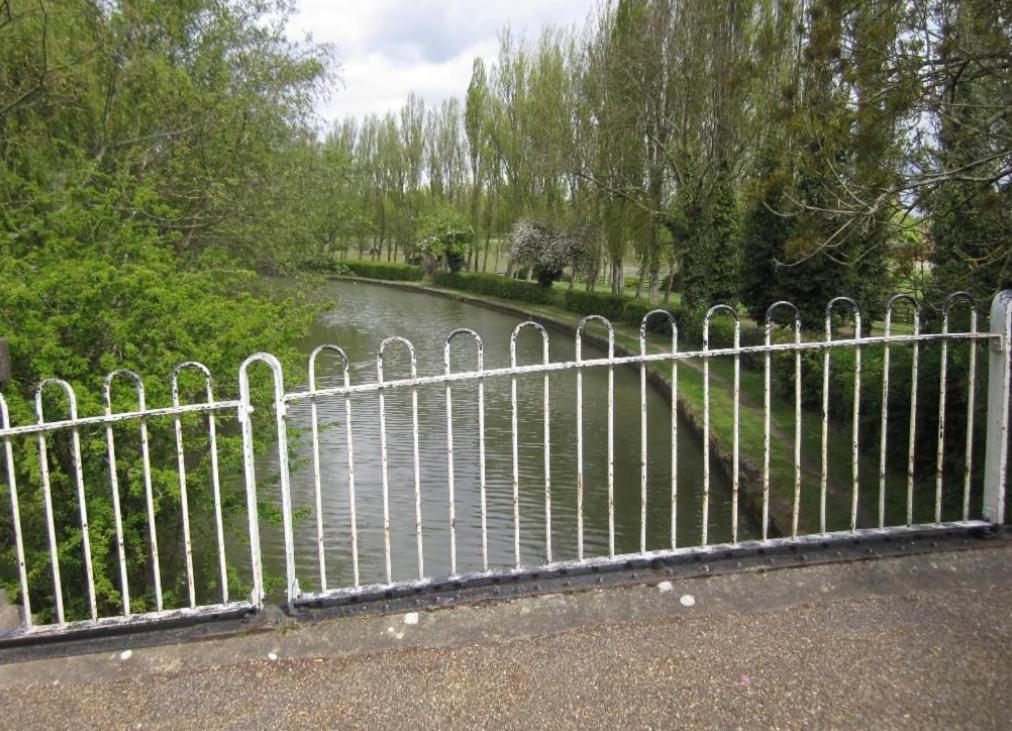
column 365, row 315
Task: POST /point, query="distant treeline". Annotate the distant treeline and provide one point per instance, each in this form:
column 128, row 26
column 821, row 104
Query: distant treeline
column 766, row 150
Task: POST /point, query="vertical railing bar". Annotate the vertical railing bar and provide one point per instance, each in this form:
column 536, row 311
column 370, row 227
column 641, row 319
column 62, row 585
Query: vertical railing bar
column 824, row 446
column 768, row 406
column 856, row 413
column 706, row 421
column 280, row 415
column 449, row 460
column 971, row 385
column 705, row 520
column 449, row 443
column 19, row 546
column 546, row 429
column 674, row 433
column 643, row 427
column 317, row 476
column 611, row 444
column 414, row 453
column 516, row 456
column 767, row 339
column 183, row 496
column 735, row 468
column 940, row 446
column 482, row 482
column 317, row 486
column 219, row 527
column 643, row 437
column 797, row 426
column 149, row 490
column 117, row 514
column 970, row 395
column 47, row 501
column 545, row 354
column 352, row 516
column 912, row 442
column 611, row 424
column 480, row 348
column 579, row 450
column 885, row 415
column 856, row 428
column 417, row 469
column 245, row 413
column 75, row 438
column 385, row 483
column 212, row 437
column 352, row 519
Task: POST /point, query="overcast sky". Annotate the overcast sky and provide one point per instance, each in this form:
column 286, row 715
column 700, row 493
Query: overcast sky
column 388, row 48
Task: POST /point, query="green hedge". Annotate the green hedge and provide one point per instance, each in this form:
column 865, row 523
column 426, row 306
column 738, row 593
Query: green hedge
column 615, row 307
column 594, row 303
column 391, row 271
column 496, row 286
column 635, row 310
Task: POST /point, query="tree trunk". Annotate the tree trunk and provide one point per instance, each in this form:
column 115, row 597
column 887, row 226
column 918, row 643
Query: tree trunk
column 667, row 285
column 617, row 277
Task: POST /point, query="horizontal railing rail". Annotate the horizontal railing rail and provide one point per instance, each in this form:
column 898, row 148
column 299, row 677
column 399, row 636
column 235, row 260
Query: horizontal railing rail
column 753, row 485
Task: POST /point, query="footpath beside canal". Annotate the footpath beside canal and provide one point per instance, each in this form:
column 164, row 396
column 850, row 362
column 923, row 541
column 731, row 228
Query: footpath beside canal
column 915, row 641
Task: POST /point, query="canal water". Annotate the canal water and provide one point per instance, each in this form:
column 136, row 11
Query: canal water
column 366, row 314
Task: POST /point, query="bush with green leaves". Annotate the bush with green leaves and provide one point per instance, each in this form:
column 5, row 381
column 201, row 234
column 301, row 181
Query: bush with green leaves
column 77, row 313
column 635, row 310
column 496, row 286
column 385, row 270
column 444, row 237
column 605, row 304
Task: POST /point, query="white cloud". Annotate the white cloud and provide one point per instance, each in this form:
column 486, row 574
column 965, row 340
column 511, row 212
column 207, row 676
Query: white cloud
column 389, row 48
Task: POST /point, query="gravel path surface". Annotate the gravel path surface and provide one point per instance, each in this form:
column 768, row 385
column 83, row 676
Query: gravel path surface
column 911, row 642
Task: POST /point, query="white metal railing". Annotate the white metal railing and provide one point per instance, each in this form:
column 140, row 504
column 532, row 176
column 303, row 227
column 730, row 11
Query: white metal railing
column 997, row 339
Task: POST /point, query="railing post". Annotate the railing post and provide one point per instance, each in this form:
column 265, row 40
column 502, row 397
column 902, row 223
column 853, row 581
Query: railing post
column 999, row 372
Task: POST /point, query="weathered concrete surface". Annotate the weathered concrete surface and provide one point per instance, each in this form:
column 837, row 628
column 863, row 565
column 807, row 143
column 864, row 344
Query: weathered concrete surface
column 912, row 642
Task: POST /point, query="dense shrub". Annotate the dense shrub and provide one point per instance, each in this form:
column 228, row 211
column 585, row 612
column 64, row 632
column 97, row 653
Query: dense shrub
column 494, row 285
column 635, row 310
column 595, row 303
column 841, row 403
column 391, row 271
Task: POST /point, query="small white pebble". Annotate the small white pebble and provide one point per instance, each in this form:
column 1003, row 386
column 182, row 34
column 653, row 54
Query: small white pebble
column 411, row 618
column 687, row 600
column 272, row 656
column 664, row 586
column 126, row 654
column 390, row 630
column 399, row 635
